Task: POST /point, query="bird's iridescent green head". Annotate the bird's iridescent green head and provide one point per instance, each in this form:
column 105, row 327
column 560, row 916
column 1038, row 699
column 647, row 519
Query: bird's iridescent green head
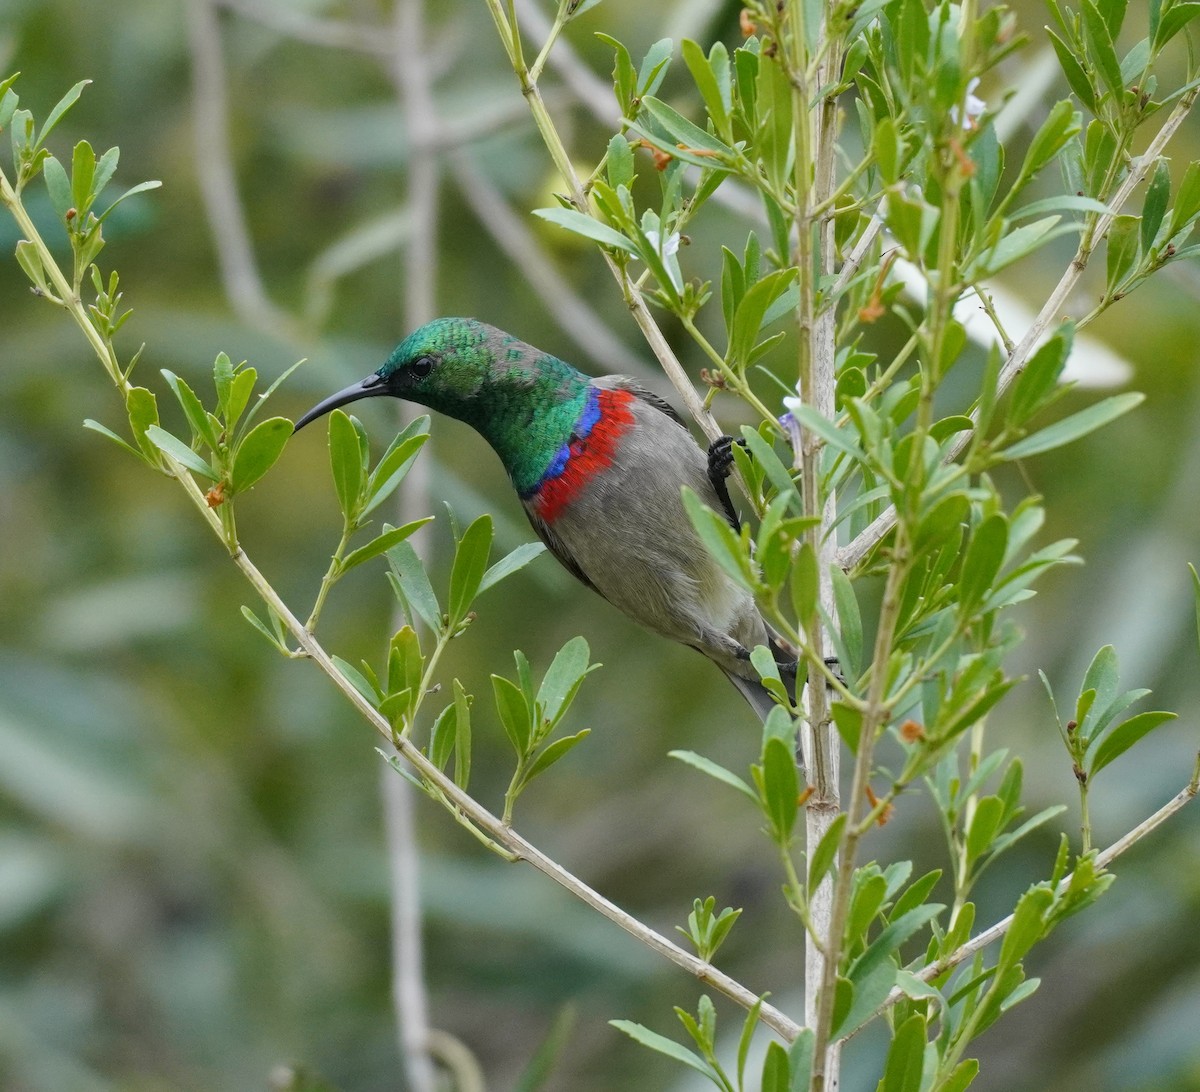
column 523, row 401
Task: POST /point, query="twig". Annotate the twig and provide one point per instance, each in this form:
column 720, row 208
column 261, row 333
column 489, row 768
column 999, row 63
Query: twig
column 692, row 402
column 409, row 997
column 569, row 310
column 218, row 188
column 329, row 33
column 413, row 80
column 1103, row 859
column 485, row 821
column 854, row 552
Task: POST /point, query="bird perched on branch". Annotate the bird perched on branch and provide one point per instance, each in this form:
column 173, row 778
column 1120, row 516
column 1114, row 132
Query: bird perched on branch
column 599, row 465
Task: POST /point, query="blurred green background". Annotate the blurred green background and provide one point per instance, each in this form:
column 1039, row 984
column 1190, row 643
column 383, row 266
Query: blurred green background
column 194, row 885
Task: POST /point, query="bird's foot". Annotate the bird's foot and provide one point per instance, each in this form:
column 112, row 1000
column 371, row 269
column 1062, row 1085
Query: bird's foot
column 720, row 464
column 789, row 670
column 720, row 456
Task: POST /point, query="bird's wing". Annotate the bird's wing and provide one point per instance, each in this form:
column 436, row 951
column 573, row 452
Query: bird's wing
column 555, row 545
column 625, row 383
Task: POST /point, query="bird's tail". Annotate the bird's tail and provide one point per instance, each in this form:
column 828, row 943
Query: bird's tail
column 755, row 693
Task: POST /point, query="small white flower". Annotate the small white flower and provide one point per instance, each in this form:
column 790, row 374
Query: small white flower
column 975, row 106
column 665, row 247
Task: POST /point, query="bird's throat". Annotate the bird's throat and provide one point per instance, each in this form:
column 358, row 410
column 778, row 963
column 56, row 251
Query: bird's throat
column 587, row 452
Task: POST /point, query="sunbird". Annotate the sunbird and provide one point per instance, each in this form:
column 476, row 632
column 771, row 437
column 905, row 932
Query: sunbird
column 599, row 465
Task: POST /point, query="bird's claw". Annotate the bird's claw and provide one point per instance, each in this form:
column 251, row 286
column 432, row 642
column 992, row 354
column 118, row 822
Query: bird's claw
column 789, row 670
column 720, row 456
column 720, row 463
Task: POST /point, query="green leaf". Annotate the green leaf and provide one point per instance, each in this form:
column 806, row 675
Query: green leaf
column 95, row 426
column 905, row 1067
column 985, row 555
column 553, row 752
column 804, row 584
column 780, row 788
column 412, row 583
column 261, row 626
column 1102, row 50
column 1075, row 426
column 142, row 408
column 686, row 133
column 800, row 1060
column 462, row 736
column 1176, row 18
column 849, row 619
column 257, row 452
column 346, row 458
column 884, row 946
column 706, row 765
column 619, row 162
column 61, row 107
column 1061, row 124
column 58, row 186
column 105, row 169
column 223, row 383
column 1015, row 245
column 562, row 679
column 822, row 858
column 442, row 737
column 1036, row 384
column 1196, row 593
column 669, row 1047
column 870, row 992
column 514, row 713
column 775, row 1069
column 470, row 562
column 624, row 80
column 1154, row 207
column 1125, row 735
column 141, row 187
column 1077, row 77
column 839, row 439
column 985, row 824
column 394, row 466
column 1121, row 246
column 193, row 410
column 706, row 73
column 964, row 1073
column 749, row 315
column 382, row 543
column 512, row 562
column 83, row 171
column 654, row 66
column 588, row 227
column 719, row 539
column 30, row 261
column 8, row 101
column 180, row 452
column 887, row 146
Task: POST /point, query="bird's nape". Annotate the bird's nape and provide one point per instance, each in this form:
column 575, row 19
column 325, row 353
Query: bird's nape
column 372, row 387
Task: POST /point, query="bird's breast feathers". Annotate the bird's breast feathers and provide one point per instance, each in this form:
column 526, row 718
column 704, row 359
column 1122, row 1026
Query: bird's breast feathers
column 607, row 415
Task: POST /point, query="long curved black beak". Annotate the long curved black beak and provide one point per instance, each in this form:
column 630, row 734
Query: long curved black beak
column 371, row 387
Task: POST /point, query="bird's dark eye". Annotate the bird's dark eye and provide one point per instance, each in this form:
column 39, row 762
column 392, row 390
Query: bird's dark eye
column 421, row 367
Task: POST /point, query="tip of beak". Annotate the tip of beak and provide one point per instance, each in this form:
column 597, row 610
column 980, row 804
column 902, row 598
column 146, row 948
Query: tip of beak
column 371, row 386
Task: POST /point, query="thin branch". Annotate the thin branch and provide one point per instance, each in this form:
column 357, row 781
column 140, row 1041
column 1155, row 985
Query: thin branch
column 218, row 185
column 413, row 80
column 329, row 33
column 854, row 552
column 482, row 819
column 409, row 997
column 572, row 313
column 1103, row 859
